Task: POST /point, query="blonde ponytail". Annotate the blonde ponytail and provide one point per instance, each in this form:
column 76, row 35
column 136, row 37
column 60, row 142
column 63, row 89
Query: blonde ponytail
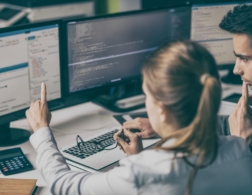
column 200, row 137
column 201, row 146
column 183, row 76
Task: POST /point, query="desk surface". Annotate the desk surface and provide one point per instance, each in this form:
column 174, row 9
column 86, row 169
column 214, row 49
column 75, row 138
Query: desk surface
column 86, row 120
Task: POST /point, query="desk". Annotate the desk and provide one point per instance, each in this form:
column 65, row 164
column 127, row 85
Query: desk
column 81, row 119
column 66, row 123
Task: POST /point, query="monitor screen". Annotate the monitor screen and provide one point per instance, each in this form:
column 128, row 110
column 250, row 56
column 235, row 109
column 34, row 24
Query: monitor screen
column 28, row 57
column 112, row 49
column 205, row 30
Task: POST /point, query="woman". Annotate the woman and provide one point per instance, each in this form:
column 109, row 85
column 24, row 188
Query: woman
column 183, row 95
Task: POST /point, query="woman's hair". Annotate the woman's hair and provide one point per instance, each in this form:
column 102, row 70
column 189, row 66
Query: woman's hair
column 183, row 76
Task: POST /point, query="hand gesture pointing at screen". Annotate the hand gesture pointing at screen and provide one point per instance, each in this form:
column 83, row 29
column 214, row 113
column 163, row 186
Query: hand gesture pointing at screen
column 38, row 114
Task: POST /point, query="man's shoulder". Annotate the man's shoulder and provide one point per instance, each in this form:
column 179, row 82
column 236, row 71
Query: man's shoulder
column 233, row 148
column 233, row 141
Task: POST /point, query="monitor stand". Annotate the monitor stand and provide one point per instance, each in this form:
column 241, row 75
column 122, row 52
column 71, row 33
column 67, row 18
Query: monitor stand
column 126, row 97
column 120, row 105
column 231, row 79
column 12, row 136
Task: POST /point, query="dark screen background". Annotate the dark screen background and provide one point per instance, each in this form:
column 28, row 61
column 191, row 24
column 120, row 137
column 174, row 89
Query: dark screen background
column 105, row 50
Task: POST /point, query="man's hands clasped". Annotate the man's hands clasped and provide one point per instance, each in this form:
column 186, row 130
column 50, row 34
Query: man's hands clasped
column 38, row 114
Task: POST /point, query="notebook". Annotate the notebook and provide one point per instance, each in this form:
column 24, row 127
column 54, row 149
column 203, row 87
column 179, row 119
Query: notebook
column 17, row 186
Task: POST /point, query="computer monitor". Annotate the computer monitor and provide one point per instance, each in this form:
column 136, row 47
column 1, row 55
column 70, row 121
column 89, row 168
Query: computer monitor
column 109, row 50
column 205, row 30
column 29, row 55
column 38, row 3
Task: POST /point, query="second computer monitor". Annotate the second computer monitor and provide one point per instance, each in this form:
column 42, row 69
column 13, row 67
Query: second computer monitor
column 205, row 30
column 111, row 49
column 29, row 56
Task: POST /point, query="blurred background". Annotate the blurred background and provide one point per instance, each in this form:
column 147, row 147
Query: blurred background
column 15, row 12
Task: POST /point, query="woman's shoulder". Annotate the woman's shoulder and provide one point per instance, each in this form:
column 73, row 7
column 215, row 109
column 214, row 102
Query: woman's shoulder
column 150, row 158
column 230, row 147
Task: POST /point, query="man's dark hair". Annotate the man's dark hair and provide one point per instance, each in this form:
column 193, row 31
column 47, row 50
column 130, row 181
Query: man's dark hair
column 238, row 20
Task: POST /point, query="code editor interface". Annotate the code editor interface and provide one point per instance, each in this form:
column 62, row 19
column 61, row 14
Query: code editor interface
column 107, row 50
column 28, row 57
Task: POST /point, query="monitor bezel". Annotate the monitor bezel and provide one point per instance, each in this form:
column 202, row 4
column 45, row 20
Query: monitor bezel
column 52, row 104
column 94, row 91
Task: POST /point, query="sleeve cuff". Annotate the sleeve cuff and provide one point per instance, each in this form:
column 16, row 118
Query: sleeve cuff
column 42, row 135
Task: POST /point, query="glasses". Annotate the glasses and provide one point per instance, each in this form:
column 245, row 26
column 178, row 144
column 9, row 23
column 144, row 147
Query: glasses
column 96, row 145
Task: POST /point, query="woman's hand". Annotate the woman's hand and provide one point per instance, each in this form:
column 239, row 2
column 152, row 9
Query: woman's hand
column 143, row 124
column 38, row 114
column 135, row 145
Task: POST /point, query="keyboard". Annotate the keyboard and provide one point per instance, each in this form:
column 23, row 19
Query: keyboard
column 96, row 155
column 92, row 146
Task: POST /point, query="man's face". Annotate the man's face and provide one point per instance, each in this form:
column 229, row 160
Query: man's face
column 243, row 53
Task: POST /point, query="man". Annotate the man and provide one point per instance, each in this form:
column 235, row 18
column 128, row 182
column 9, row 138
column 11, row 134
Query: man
column 238, row 22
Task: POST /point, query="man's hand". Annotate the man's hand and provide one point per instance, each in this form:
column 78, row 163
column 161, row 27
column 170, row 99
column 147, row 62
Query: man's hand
column 240, row 121
column 143, row 124
column 38, row 114
column 135, row 145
